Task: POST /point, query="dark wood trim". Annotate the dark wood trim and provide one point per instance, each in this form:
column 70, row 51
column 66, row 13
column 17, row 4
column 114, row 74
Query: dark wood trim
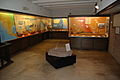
column 68, row 26
column 89, row 43
column 58, row 34
column 109, row 7
column 88, row 15
column 18, row 12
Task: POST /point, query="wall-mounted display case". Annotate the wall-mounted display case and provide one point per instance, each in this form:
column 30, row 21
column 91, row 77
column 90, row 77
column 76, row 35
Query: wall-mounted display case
column 15, row 25
column 91, row 26
column 60, row 24
column 26, row 25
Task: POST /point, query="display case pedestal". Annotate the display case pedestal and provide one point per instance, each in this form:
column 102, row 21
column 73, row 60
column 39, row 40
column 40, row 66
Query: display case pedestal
column 89, row 43
column 5, row 55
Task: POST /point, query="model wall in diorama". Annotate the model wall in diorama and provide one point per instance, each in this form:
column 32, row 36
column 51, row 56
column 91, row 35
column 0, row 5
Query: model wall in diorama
column 13, row 26
column 89, row 26
column 60, row 24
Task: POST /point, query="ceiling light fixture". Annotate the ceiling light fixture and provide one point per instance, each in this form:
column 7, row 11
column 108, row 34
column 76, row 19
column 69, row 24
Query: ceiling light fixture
column 96, row 6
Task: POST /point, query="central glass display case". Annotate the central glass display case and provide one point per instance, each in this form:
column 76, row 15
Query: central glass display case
column 91, row 26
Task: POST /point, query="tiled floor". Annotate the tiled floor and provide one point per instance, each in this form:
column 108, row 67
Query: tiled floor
column 30, row 64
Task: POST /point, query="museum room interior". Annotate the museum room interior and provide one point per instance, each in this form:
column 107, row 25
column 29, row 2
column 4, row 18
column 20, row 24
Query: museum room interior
column 59, row 39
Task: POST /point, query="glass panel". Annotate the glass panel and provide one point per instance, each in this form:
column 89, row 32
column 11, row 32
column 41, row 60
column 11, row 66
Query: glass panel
column 60, row 24
column 13, row 25
column 89, row 26
column 26, row 25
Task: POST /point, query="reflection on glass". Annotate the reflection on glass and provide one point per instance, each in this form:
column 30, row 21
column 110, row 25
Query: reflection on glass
column 89, row 26
column 13, row 25
column 27, row 25
column 60, row 24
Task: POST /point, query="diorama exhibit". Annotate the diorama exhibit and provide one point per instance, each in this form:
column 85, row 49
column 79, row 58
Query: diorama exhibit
column 88, row 26
column 7, row 26
column 19, row 31
column 60, row 24
column 89, row 32
column 13, row 25
column 59, row 39
column 84, row 32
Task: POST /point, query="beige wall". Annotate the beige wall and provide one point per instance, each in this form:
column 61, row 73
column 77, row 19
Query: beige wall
column 114, row 44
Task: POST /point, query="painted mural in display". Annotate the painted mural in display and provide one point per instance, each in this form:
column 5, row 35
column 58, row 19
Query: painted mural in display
column 26, row 25
column 89, row 26
column 13, row 26
column 60, row 24
column 7, row 27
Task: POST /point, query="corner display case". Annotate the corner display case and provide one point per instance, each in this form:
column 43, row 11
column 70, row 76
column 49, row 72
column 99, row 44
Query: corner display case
column 89, row 32
column 88, row 26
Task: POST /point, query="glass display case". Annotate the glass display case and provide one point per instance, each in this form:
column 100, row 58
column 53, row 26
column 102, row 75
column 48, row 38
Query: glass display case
column 60, row 24
column 96, row 26
column 26, row 25
column 16, row 25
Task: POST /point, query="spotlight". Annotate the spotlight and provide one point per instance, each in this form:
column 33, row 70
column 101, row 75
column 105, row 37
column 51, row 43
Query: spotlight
column 96, row 6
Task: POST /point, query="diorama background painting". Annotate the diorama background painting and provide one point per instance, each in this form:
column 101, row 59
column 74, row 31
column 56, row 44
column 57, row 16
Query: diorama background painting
column 88, row 26
column 60, row 24
column 7, row 26
column 13, row 26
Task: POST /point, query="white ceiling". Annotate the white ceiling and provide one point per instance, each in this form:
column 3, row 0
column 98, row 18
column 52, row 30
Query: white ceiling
column 68, row 4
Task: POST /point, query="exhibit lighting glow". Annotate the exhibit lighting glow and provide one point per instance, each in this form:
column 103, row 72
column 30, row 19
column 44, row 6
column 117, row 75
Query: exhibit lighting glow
column 87, row 26
column 81, row 20
column 96, row 6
